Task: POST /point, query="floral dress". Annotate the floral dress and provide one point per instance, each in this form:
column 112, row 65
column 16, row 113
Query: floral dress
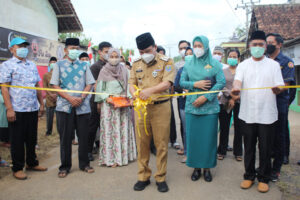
column 117, row 139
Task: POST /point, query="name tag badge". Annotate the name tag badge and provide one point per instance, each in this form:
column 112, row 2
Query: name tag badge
column 154, row 73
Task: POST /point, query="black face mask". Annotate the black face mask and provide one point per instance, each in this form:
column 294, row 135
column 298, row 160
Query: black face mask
column 271, row 49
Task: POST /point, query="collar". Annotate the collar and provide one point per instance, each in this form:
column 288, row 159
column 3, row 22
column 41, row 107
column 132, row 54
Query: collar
column 279, row 56
column 16, row 60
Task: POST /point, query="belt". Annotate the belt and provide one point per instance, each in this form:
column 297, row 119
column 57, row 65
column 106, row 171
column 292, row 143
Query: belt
column 160, row 102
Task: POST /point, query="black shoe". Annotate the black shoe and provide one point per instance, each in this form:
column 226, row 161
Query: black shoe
column 196, row 174
column 162, row 186
column 274, row 176
column 141, row 185
column 285, row 160
column 207, row 175
column 91, row 157
column 298, row 162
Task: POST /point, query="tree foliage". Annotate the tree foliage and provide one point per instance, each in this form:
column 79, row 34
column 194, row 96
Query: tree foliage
column 84, row 40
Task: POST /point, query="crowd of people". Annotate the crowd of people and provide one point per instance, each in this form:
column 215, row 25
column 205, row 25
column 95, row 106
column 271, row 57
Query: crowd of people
column 125, row 136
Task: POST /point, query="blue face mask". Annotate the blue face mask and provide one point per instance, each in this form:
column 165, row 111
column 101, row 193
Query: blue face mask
column 22, row 52
column 74, row 54
column 189, row 57
column 257, row 52
column 51, row 66
column 88, row 63
column 232, row 61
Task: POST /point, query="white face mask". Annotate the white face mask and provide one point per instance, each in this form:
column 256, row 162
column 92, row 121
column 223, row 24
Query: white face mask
column 182, row 53
column 114, row 61
column 105, row 57
column 199, row 52
column 148, row 57
column 217, row 57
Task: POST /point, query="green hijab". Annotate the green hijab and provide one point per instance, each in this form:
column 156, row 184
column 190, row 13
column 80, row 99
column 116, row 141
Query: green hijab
column 193, row 63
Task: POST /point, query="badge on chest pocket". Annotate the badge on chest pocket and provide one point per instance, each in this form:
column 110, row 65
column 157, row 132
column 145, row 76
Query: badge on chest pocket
column 154, row 74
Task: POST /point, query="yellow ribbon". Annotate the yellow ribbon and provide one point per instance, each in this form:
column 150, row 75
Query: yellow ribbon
column 139, row 104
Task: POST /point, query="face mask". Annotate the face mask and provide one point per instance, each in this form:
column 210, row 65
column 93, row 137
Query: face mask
column 88, row 63
column 257, row 52
column 122, row 63
column 199, row 52
column 182, row 53
column 22, row 52
column 189, row 57
column 148, row 57
column 105, row 57
column 271, row 49
column 114, row 61
column 74, row 54
column 217, row 57
column 232, row 61
column 51, row 66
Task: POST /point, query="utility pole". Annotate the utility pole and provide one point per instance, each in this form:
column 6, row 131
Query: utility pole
column 248, row 7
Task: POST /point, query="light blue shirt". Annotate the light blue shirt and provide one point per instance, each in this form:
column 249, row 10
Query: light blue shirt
column 72, row 76
column 3, row 118
column 19, row 73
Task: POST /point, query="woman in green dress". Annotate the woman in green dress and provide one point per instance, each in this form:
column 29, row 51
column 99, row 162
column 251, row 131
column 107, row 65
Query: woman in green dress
column 202, row 73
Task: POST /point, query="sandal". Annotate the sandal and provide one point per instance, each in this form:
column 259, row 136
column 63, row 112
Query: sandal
column 176, row 145
column 239, row 158
column 180, row 152
column 62, row 174
column 88, row 169
column 221, row 157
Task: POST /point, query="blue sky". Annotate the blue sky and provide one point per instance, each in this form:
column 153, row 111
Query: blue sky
column 169, row 21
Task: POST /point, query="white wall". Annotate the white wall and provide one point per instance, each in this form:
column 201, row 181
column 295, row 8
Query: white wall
column 35, row 17
column 294, row 53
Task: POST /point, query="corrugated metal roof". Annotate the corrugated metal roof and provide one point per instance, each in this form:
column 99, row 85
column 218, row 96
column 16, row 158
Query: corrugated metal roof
column 68, row 20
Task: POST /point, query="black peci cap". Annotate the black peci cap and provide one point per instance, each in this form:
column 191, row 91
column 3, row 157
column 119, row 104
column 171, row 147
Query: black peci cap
column 83, row 55
column 72, row 41
column 53, row 59
column 144, row 41
column 258, row 35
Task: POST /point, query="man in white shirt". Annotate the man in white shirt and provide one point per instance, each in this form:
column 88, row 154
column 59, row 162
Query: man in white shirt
column 258, row 109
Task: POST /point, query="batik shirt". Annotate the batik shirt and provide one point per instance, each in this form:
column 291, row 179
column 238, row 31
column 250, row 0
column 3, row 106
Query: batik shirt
column 21, row 73
column 72, row 76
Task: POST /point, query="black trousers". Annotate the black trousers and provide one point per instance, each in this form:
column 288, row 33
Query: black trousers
column 67, row 123
column 4, row 134
column 279, row 145
column 173, row 134
column 50, row 115
column 224, row 119
column 23, row 133
column 262, row 133
column 287, row 138
column 94, row 124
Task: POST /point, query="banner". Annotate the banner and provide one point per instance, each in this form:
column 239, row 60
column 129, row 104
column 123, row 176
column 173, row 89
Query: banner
column 40, row 49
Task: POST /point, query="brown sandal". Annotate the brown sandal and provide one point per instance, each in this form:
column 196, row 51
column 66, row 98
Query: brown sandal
column 239, row 158
column 62, row 174
column 221, row 157
column 88, row 169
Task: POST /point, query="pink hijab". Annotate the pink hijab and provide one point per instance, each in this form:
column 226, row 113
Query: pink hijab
column 111, row 73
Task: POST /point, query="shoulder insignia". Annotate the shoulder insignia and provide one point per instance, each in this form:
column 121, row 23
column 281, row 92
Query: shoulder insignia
column 137, row 59
column 291, row 65
column 169, row 68
column 165, row 58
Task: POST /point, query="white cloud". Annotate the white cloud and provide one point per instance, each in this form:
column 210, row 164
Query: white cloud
column 169, row 21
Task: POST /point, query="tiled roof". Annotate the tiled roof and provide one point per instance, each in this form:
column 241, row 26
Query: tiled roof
column 68, row 20
column 280, row 18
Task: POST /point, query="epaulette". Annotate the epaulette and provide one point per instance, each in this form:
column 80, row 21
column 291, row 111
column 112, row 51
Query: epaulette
column 165, row 58
column 137, row 59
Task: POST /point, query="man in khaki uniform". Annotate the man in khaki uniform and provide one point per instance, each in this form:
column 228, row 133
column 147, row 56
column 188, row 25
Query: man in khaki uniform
column 154, row 74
